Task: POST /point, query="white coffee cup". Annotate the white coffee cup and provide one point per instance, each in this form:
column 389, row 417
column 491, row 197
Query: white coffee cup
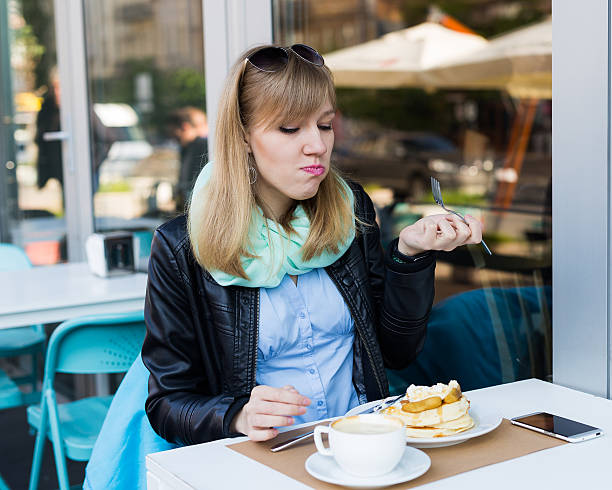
column 364, row 445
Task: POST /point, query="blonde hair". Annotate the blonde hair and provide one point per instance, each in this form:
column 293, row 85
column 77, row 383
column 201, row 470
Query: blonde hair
column 219, row 214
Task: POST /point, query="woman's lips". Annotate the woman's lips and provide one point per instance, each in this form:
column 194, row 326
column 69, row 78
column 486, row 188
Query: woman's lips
column 314, row 169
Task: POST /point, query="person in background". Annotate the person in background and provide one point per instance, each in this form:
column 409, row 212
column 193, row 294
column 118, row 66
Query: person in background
column 49, row 163
column 189, row 126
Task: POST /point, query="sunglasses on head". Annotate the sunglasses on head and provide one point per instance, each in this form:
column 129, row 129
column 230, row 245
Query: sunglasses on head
column 275, row 58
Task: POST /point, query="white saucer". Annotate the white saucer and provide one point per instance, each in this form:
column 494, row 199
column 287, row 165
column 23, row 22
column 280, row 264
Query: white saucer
column 412, row 465
column 485, row 421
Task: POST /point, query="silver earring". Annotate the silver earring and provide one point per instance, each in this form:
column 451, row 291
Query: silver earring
column 252, row 175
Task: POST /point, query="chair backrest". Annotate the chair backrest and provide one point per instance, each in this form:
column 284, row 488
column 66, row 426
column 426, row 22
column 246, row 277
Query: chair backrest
column 13, row 258
column 95, row 344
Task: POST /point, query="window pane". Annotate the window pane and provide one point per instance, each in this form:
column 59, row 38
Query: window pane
column 31, row 175
column 147, row 100
column 446, row 94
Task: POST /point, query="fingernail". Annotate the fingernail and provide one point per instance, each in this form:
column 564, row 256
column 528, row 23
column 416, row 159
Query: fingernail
column 302, row 409
column 305, row 401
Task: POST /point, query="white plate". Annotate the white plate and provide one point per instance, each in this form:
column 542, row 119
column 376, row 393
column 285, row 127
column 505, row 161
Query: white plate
column 485, row 421
column 412, row 465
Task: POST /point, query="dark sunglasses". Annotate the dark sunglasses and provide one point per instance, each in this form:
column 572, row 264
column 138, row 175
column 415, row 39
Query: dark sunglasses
column 275, row 58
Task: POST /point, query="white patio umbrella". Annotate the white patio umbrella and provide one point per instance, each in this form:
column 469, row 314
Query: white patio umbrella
column 519, row 62
column 401, row 58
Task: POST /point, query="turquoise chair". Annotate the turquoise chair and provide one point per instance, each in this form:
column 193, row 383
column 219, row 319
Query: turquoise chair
column 87, row 345
column 142, row 248
column 10, row 395
column 19, row 341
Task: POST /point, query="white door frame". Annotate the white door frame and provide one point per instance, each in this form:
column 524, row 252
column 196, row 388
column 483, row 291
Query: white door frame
column 76, row 148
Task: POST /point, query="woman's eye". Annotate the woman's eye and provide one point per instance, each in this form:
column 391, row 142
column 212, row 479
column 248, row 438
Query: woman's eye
column 288, row 130
column 325, row 127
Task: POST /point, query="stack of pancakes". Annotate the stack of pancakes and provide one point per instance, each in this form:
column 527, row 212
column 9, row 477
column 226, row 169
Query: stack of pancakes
column 433, row 411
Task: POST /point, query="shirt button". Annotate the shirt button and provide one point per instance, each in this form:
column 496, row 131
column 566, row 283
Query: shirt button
column 320, row 403
column 302, row 315
column 311, row 371
column 308, row 346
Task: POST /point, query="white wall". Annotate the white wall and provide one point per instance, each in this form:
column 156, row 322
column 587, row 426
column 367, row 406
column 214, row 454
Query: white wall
column 581, row 195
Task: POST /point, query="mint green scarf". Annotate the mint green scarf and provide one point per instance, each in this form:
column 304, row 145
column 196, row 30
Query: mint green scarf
column 276, row 253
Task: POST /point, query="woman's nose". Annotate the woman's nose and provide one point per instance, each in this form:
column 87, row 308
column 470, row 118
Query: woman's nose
column 314, row 144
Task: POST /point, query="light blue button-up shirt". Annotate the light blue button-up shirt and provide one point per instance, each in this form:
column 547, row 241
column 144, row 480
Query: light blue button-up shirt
column 306, row 340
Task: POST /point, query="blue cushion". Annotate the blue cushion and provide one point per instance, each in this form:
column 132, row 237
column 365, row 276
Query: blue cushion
column 482, row 338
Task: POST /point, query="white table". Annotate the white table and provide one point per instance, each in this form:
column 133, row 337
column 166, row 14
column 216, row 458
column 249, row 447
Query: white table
column 55, row 293
column 569, row 466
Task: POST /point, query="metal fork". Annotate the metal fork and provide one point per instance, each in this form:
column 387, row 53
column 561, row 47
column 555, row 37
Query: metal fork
column 437, row 195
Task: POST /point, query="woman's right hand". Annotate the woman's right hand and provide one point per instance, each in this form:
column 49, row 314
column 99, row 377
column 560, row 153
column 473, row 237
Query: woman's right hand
column 268, row 408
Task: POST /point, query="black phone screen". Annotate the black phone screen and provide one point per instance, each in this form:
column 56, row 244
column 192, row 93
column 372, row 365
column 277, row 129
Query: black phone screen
column 555, row 424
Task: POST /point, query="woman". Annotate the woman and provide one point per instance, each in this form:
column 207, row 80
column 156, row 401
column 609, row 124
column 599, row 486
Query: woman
column 272, row 302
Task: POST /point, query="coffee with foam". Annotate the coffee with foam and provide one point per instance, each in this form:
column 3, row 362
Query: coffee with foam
column 356, row 426
column 364, row 445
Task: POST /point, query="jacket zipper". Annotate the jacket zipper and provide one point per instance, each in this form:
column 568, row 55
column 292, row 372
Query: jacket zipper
column 361, row 337
column 254, row 378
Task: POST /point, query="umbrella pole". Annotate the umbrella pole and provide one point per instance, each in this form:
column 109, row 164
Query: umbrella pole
column 515, row 155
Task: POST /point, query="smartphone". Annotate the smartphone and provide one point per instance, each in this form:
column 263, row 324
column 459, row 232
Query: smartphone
column 556, row 426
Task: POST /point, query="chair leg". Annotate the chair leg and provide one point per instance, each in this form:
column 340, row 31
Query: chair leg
column 3, row 485
column 35, row 395
column 58, row 445
column 39, row 446
column 34, row 372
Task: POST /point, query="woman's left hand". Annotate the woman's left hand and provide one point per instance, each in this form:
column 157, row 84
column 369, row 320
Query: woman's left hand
column 439, row 232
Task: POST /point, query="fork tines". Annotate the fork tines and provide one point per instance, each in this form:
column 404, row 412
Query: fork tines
column 435, row 189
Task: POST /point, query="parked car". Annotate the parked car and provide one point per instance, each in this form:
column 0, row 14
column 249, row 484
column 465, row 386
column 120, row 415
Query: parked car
column 118, row 139
column 404, row 162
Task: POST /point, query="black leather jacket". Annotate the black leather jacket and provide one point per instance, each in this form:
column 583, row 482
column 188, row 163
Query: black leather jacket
column 201, row 341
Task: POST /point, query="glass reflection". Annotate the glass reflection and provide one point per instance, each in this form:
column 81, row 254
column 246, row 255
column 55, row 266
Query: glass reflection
column 145, row 69
column 426, row 92
column 32, row 215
